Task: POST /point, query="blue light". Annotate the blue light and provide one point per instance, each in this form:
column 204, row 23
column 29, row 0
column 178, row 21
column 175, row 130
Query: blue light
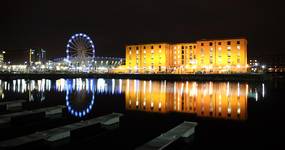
column 78, row 113
column 80, row 34
column 76, row 34
column 73, row 37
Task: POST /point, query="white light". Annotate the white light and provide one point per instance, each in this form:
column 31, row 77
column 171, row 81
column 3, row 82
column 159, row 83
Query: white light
column 263, row 90
column 263, row 66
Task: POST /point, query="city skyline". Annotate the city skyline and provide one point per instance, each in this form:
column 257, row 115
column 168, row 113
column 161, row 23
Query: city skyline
column 49, row 24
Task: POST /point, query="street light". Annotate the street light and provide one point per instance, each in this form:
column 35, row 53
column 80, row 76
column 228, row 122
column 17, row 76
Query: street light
column 263, row 66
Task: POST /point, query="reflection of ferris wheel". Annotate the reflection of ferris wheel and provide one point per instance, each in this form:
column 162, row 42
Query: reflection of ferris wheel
column 80, row 48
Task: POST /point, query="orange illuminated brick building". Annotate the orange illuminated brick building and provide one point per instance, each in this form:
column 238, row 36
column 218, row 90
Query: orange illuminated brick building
column 205, row 56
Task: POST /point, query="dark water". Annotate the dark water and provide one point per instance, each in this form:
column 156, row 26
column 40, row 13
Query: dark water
column 229, row 114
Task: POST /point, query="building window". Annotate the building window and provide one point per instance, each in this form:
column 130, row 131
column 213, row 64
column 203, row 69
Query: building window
column 219, row 43
column 182, row 52
column 151, row 47
column 202, row 44
column 137, row 47
column 229, row 43
column 159, row 46
column 130, row 48
column 211, row 44
column 186, row 47
column 238, row 42
column 194, row 47
column 190, row 47
column 182, row 47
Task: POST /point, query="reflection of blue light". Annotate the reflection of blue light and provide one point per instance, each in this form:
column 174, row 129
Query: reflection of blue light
column 73, row 111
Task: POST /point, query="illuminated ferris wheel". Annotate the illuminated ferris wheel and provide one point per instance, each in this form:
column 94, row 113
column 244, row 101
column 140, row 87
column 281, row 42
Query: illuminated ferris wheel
column 80, row 48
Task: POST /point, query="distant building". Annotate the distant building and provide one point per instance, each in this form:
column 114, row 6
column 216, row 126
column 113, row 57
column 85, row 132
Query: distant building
column 268, row 63
column 205, row 56
column 2, row 57
column 37, row 56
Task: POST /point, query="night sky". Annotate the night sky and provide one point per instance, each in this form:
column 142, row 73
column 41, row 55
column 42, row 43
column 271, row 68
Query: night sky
column 113, row 24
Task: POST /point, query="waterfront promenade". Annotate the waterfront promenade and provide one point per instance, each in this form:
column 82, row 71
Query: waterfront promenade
column 183, row 77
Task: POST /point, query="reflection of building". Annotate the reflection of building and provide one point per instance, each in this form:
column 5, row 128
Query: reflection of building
column 217, row 56
column 218, row 100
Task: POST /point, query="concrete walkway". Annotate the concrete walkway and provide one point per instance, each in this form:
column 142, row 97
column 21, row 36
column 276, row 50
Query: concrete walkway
column 62, row 132
column 6, row 118
column 185, row 129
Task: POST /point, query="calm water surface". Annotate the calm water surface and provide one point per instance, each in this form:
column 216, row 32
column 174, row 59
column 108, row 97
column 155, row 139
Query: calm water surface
column 228, row 113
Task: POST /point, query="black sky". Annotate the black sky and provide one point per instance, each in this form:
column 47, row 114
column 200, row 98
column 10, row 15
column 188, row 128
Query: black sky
column 112, row 24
